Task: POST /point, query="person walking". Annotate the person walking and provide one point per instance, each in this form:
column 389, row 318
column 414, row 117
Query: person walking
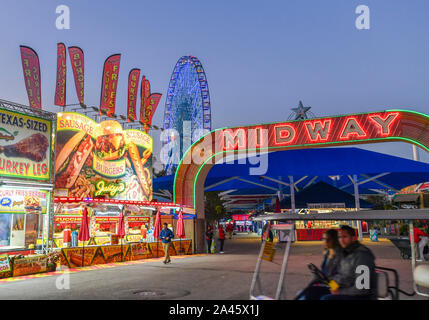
column 221, row 238
column 166, row 235
column 209, row 238
column 267, row 233
column 421, row 239
column 229, row 229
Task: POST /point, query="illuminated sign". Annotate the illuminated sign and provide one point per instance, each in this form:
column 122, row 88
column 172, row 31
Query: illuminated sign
column 313, row 131
column 112, row 189
column 385, row 126
column 22, row 201
column 25, row 141
column 95, row 159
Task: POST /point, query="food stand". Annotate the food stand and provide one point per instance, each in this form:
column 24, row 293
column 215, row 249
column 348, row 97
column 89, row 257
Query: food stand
column 26, row 187
column 242, row 222
column 313, row 230
column 106, row 170
column 98, row 167
column 103, row 245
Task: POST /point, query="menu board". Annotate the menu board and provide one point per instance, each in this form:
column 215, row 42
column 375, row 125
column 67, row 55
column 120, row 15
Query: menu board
column 29, row 265
column 4, row 263
column 23, row 201
column 102, row 160
column 25, row 144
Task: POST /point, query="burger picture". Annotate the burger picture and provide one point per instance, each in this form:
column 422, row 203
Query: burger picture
column 110, row 141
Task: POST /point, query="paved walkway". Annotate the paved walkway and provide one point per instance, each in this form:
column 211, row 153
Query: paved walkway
column 218, row 276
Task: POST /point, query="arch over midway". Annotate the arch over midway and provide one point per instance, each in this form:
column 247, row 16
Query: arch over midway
column 384, row 126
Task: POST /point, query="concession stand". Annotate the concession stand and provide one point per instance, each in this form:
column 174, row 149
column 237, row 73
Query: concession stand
column 242, row 222
column 313, row 230
column 26, row 187
column 107, row 171
column 103, row 245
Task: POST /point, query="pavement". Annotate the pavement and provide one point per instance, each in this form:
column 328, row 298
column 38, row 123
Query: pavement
column 215, row 276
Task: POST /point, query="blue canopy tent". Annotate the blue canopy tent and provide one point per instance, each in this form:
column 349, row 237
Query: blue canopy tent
column 322, row 192
column 288, row 172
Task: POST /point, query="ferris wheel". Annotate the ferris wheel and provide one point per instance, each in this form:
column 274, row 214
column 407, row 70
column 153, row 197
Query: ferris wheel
column 187, row 108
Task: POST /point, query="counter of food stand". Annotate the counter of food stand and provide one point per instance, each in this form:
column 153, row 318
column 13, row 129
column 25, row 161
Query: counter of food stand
column 92, row 255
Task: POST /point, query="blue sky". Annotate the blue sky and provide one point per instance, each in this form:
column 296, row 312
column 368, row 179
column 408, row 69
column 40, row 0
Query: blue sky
column 260, row 57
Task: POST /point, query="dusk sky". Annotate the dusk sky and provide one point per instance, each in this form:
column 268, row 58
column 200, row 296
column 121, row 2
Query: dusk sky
column 260, row 57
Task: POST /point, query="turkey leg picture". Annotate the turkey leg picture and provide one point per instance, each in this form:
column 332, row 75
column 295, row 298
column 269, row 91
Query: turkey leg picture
column 33, row 148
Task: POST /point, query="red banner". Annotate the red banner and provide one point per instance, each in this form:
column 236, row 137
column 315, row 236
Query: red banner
column 31, row 69
column 145, row 93
column 78, row 63
column 60, row 88
column 150, row 109
column 109, row 85
column 133, row 87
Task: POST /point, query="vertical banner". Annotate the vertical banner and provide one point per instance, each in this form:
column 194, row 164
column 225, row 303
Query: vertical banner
column 31, row 69
column 133, row 88
column 60, row 88
column 109, row 84
column 150, row 109
column 145, row 93
column 78, row 66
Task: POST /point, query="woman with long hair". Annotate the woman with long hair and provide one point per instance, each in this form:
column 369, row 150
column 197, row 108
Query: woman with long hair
column 331, row 252
column 329, row 266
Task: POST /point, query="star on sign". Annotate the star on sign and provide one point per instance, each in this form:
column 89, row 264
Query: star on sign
column 301, row 111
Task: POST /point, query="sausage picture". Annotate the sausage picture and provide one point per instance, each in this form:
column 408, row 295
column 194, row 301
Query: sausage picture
column 71, row 159
column 133, row 151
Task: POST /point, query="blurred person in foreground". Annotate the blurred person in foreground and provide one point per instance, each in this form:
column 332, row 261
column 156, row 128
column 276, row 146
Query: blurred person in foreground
column 329, row 266
column 355, row 278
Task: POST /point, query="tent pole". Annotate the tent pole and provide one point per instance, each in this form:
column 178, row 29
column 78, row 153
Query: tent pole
column 357, row 204
column 415, row 153
column 292, row 194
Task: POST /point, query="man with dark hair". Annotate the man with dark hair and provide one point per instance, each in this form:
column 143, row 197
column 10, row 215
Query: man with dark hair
column 166, row 235
column 355, row 278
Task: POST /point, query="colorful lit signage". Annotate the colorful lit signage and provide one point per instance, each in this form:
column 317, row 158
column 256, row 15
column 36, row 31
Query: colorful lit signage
column 112, row 189
column 21, row 201
column 385, row 126
column 313, row 131
column 101, row 159
column 25, row 146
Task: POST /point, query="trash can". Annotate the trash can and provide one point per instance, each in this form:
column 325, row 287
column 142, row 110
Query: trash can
column 373, row 235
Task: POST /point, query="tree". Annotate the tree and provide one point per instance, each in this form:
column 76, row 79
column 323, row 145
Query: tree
column 214, row 207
